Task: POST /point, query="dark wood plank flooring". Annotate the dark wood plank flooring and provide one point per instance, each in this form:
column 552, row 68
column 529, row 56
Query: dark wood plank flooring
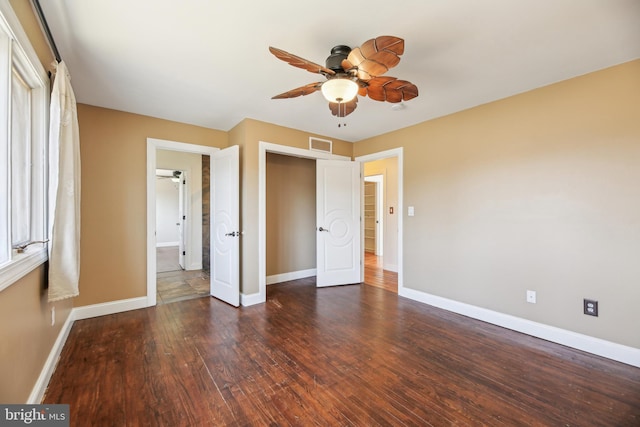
column 350, row 355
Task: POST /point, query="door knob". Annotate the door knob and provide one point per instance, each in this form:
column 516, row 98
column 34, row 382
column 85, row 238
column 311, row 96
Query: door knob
column 232, row 234
column 322, row 229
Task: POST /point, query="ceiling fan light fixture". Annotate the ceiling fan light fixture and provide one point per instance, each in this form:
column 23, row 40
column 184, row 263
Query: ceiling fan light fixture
column 339, row 89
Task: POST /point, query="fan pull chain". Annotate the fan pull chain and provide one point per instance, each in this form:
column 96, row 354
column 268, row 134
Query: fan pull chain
column 339, row 116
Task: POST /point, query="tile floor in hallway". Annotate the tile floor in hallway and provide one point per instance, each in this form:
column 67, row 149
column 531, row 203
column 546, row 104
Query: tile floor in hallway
column 174, row 284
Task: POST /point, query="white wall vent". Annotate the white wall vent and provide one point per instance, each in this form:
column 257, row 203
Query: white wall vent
column 318, row 144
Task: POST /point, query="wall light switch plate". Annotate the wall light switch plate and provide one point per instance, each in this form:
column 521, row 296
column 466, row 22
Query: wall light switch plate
column 531, row 297
column 411, row 211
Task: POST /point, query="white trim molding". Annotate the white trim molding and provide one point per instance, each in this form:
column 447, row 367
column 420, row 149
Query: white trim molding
column 17, row 53
column 399, row 154
column 597, row 346
column 263, row 149
column 78, row 313
column 166, row 244
column 112, row 307
column 251, row 299
column 37, row 393
column 292, row 275
column 21, row 265
column 152, row 146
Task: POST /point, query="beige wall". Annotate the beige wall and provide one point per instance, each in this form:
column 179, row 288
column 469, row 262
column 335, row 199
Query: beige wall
column 31, row 25
column 538, row 191
column 291, row 214
column 113, row 148
column 27, row 334
column 248, row 134
column 25, row 316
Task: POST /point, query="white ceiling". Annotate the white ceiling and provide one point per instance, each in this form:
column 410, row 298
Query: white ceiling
column 207, row 62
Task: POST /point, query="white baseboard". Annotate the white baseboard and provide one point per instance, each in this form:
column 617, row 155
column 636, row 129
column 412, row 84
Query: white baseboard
column 597, row 346
column 293, row 275
column 166, row 244
column 390, row 267
column 78, row 313
column 251, row 299
column 194, row 266
column 50, row 364
column 112, row 307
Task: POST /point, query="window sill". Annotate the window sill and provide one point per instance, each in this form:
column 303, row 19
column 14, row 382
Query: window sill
column 21, row 265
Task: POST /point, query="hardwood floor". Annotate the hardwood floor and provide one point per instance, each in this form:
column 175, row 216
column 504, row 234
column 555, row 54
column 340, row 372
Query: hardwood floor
column 374, row 275
column 349, row 355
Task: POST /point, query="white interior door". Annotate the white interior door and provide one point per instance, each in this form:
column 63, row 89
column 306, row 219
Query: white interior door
column 182, row 218
column 225, row 229
column 338, row 222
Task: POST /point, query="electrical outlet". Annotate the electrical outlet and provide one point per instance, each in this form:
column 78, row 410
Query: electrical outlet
column 531, row 297
column 590, row 307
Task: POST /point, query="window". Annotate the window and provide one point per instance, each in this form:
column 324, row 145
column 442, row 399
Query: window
column 24, row 105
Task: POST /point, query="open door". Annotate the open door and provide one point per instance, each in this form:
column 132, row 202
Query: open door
column 225, row 229
column 338, row 222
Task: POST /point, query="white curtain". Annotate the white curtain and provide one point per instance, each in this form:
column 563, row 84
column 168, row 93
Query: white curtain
column 64, row 190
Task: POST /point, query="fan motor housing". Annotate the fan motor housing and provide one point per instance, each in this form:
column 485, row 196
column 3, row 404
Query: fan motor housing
column 338, row 54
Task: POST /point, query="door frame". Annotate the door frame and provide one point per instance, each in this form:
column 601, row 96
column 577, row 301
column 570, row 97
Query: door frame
column 154, row 144
column 184, row 216
column 263, row 149
column 398, row 153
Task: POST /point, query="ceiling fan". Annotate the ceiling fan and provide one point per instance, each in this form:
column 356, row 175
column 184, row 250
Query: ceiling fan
column 351, row 72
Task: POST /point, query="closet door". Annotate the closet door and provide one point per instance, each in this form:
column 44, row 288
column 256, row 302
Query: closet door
column 338, row 222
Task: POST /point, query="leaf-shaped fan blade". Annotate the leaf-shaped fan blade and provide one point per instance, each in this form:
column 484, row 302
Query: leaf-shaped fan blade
column 300, row 91
column 375, row 57
column 296, row 61
column 344, row 108
column 390, row 89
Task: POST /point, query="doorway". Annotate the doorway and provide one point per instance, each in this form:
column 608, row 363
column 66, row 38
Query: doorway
column 373, row 214
column 290, row 218
column 190, row 280
column 180, row 209
column 264, row 148
column 170, row 220
column 382, row 227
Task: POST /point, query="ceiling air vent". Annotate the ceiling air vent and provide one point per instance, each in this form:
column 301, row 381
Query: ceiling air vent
column 318, row 144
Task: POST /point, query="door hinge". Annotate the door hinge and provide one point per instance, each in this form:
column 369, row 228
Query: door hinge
column 184, row 253
column 184, row 217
